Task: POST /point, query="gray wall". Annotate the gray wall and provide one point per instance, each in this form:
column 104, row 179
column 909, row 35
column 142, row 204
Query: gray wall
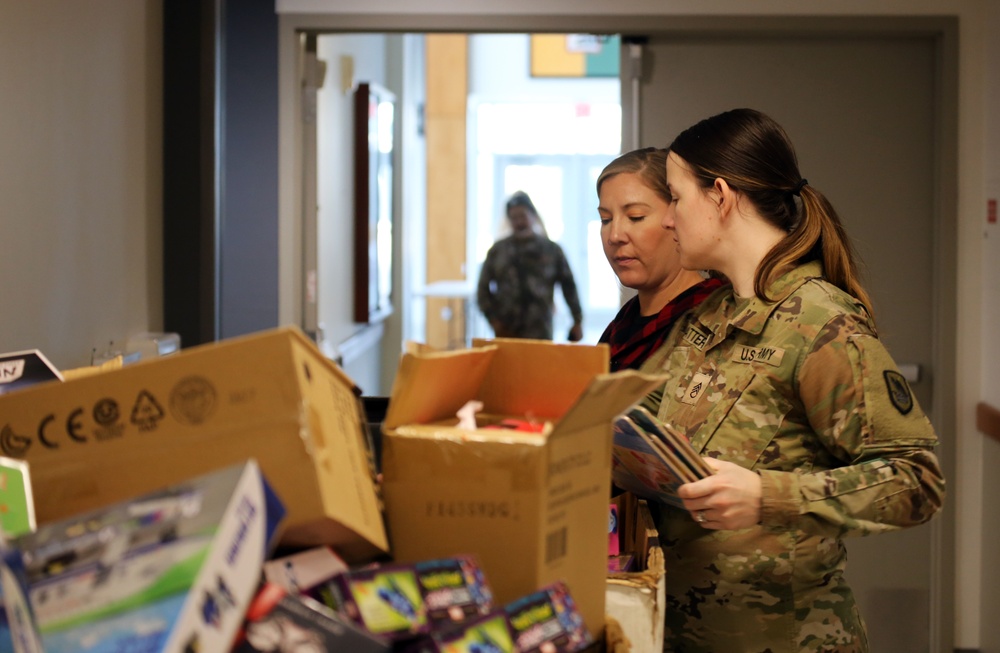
column 248, row 197
column 80, row 175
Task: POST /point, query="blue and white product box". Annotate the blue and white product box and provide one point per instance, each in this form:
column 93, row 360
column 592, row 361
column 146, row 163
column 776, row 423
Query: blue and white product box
column 168, row 572
column 278, row 621
column 17, row 630
column 547, row 621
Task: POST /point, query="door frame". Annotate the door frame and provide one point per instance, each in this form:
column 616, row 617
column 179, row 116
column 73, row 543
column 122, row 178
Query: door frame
column 944, row 29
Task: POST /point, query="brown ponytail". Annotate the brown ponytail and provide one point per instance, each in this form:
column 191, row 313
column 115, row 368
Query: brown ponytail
column 754, row 155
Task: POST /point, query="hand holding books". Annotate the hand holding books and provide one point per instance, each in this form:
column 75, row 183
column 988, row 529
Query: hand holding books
column 651, row 459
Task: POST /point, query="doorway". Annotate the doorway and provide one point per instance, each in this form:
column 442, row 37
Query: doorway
column 936, row 553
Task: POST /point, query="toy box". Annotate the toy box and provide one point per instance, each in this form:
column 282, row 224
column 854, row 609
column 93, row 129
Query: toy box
column 300, row 572
column 489, row 633
column 170, row 571
column 385, row 600
column 273, row 396
column 547, row 620
column 453, row 589
column 17, row 503
column 532, row 507
column 279, row 622
column 23, row 369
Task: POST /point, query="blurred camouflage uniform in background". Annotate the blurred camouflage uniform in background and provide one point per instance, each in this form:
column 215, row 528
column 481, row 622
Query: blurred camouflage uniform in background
column 801, row 391
column 516, row 286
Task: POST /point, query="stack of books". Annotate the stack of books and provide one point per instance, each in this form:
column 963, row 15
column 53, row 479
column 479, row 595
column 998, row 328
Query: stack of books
column 651, row 459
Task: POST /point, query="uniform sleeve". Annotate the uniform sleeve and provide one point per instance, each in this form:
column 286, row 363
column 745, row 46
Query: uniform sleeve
column 866, row 416
column 484, row 297
column 568, row 284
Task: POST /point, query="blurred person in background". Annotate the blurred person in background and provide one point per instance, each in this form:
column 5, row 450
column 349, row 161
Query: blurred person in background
column 517, row 281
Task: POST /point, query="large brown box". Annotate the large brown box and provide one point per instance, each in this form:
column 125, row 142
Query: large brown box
column 532, row 506
column 272, row 396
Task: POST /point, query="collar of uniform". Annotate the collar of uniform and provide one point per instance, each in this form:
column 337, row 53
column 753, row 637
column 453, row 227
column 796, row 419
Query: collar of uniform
column 753, row 315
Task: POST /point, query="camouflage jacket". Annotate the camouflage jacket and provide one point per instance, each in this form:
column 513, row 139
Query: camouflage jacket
column 517, row 283
column 801, row 391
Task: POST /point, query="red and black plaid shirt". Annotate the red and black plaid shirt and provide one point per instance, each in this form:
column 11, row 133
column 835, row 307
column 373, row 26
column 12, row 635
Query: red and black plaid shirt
column 633, row 337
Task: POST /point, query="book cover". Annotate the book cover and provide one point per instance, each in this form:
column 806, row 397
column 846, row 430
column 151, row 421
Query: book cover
column 651, row 460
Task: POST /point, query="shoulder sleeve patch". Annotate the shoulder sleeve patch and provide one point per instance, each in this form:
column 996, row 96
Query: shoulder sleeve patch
column 890, row 409
column 899, row 391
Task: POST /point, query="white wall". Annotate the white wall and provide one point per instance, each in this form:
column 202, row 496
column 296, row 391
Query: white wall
column 335, row 232
column 500, row 71
column 80, row 174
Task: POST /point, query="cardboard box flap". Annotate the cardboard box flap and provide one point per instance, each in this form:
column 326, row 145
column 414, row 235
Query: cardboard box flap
column 271, row 395
column 433, row 385
column 522, row 376
column 606, row 397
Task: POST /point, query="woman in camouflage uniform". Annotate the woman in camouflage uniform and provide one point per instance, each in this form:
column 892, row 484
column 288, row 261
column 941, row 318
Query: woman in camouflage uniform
column 518, row 278
column 781, row 382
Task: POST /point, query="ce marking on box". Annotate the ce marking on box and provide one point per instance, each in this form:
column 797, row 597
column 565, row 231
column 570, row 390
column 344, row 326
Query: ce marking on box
column 105, row 413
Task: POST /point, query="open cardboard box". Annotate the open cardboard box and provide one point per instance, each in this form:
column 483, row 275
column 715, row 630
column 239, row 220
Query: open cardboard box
column 636, row 599
column 273, row 396
column 533, row 507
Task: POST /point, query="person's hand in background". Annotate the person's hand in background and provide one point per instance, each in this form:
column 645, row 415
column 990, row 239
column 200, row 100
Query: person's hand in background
column 576, row 333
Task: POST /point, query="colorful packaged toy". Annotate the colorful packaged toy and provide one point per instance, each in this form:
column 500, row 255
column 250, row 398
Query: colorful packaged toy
column 172, row 571
column 547, row 621
column 454, row 589
column 279, row 622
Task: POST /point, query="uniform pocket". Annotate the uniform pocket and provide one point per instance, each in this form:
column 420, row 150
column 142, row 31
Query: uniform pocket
column 747, row 422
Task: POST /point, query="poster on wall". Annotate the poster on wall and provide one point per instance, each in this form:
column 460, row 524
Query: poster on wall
column 374, row 117
column 575, row 55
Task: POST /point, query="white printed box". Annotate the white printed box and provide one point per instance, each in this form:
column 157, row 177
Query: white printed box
column 171, row 571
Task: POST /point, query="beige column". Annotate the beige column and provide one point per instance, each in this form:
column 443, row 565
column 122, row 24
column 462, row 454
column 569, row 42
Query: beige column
column 444, row 116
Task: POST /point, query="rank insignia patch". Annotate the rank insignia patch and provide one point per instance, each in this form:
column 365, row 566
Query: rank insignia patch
column 899, row 391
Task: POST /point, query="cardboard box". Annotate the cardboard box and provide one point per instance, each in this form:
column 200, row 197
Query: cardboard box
column 636, row 600
column 272, row 396
column 533, row 507
column 169, row 571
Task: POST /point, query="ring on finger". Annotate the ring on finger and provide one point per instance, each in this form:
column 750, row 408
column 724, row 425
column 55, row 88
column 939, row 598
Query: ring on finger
column 699, row 516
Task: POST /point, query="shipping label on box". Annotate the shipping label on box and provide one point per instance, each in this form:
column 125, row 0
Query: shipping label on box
column 272, row 396
column 532, row 507
column 169, row 571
